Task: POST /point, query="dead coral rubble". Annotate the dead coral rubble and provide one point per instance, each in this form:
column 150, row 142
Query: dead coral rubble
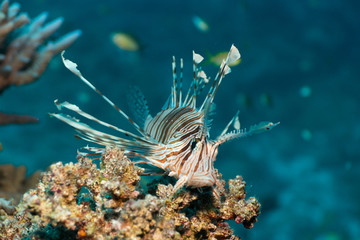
column 87, row 202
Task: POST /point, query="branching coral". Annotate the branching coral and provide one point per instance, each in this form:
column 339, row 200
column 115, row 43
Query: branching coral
column 16, row 119
column 23, row 57
column 90, row 202
column 24, row 49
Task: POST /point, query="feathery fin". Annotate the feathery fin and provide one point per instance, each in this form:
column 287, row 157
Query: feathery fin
column 73, row 68
column 254, row 129
column 138, row 105
column 87, row 133
column 231, row 122
column 76, row 109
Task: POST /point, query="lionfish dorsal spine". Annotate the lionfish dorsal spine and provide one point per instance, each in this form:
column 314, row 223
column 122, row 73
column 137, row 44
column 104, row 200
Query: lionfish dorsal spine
column 181, row 80
column 197, row 84
column 196, row 60
column 224, row 69
column 176, row 89
column 174, row 100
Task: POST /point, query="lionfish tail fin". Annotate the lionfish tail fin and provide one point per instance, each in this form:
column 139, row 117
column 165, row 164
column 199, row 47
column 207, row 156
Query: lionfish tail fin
column 224, row 69
column 73, row 68
column 254, row 129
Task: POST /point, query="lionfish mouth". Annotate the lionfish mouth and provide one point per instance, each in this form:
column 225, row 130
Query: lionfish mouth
column 176, row 138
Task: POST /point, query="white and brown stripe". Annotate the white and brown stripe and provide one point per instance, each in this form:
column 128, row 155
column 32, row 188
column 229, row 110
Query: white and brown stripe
column 177, row 138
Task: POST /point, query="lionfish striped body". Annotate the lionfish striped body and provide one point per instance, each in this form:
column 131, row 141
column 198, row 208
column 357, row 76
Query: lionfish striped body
column 175, row 140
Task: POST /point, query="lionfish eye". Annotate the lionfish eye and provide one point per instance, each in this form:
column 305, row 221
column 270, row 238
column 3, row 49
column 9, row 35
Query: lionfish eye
column 194, row 142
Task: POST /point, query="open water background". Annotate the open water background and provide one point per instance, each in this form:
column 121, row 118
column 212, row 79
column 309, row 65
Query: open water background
column 304, row 172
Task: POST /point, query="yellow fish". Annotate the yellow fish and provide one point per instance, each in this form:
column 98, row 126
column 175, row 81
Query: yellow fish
column 219, row 57
column 125, row 41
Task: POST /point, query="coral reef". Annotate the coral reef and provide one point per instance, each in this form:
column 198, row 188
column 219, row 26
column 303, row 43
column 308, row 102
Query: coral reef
column 25, row 50
column 7, row 206
column 87, row 201
column 14, row 183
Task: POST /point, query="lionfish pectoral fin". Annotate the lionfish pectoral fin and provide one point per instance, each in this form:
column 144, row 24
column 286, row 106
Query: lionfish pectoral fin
column 150, row 171
column 95, row 151
column 234, row 121
column 180, row 183
column 254, row 129
column 76, row 109
column 138, row 106
column 219, row 188
column 73, row 68
column 146, row 158
column 262, row 127
column 87, row 133
column 216, row 194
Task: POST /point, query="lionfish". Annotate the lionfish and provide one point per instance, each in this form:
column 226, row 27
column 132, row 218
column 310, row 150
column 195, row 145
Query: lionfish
column 177, row 138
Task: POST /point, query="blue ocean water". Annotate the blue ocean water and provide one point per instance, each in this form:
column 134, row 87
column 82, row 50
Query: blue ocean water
column 300, row 66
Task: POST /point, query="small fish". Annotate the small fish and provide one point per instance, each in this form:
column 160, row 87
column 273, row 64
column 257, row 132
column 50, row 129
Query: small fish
column 218, row 58
column 200, row 24
column 306, row 134
column 244, row 100
column 125, row 41
column 266, row 100
column 305, row 91
column 176, row 139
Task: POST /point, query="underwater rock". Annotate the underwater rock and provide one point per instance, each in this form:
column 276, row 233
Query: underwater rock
column 83, row 201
